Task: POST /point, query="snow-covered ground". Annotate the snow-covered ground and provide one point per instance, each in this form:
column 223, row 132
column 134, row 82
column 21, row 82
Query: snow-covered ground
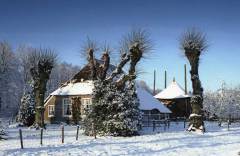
column 173, row 142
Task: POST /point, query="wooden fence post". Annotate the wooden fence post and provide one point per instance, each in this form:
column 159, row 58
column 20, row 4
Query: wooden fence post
column 148, row 121
column 228, row 124
column 77, row 132
column 41, row 136
column 12, row 118
column 184, row 122
column 165, row 125
column 219, row 123
column 62, row 134
column 94, row 130
column 154, row 125
column 21, row 139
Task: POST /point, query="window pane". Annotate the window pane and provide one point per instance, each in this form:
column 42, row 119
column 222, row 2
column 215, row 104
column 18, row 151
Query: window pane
column 66, row 101
column 68, row 110
column 67, row 107
column 50, row 110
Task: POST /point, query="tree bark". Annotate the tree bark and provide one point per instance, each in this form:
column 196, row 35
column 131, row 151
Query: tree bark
column 104, row 67
column 40, row 90
column 124, row 59
column 196, row 118
column 40, row 77
column 135, row 54
column 91, row 61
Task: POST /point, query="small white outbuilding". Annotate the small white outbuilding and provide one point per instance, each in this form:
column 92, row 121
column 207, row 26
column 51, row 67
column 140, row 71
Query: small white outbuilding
column 176, row 99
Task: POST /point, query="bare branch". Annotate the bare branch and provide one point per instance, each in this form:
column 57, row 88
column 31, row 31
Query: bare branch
column 89, row 45
column 124, row 78
column 41, row 57
column 6, row 55
column 106, row 48
column 23, row 53
column 124, row 59
column 88, row 50
column 193, row 40
column 136, row 36
column 106, row 61
column 134, row 46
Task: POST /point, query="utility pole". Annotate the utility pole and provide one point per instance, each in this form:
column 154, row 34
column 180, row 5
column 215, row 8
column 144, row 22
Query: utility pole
column 185, row 78
column 154, row 82
column 165, row 79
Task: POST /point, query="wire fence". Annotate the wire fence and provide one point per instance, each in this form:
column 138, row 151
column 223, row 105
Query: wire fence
column 152, row 121
column 68, row 134
column 56, row 135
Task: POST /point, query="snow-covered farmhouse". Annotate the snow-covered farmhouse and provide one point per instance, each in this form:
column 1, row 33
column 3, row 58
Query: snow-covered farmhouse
column 176, row 99
column 58, row 105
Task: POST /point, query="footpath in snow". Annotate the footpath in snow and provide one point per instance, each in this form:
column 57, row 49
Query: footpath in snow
column 173, row 142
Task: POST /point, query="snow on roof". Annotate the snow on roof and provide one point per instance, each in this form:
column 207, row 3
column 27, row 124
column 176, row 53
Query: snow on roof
column 80, row 88
column 148, row 102
column 173, row 91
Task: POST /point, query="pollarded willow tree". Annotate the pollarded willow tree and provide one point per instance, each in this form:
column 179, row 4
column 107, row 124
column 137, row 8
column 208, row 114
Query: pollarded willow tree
column 115, row 106
column 42, row 61
column 194, row 43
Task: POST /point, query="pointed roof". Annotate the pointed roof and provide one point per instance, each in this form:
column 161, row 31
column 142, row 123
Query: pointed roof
column 173, row 91
column 148, row 102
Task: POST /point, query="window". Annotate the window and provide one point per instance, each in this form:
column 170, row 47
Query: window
column 86, row 102
column 51, row 110
column 67, row 107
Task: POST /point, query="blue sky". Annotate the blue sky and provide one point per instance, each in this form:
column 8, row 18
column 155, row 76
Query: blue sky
column 64, row 25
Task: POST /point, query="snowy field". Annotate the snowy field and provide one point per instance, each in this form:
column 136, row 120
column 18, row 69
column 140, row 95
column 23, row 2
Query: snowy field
column 173, row 142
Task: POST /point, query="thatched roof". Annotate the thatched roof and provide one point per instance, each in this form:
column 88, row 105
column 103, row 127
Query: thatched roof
column 85, row 72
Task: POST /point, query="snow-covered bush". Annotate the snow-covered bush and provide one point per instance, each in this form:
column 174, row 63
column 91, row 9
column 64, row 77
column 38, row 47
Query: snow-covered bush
column 124, row 116
column 2, row 131
column 27, row 110
column 114, row 112
column 224, row 103
column 96, row 115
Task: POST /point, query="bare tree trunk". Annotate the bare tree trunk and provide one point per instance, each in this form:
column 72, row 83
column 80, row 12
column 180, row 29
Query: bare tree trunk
column 39, row 97
column 135, row 55
column 106, row 61
column 91, row 60
column 124, row 59
column 196, row 118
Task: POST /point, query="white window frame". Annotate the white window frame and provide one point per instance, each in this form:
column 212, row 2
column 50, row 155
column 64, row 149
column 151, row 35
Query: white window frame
column 64, row 115
column 50, row 115
column 86, row 105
